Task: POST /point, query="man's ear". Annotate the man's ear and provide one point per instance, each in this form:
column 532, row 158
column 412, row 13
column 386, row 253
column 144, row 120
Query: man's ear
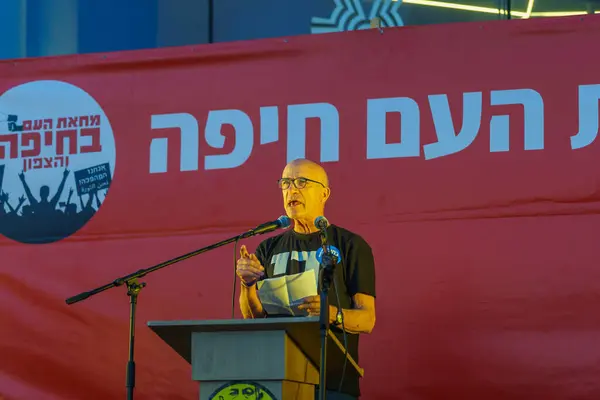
column 326, row 194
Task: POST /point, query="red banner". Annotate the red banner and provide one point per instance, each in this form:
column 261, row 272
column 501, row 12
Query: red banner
column 465, row 154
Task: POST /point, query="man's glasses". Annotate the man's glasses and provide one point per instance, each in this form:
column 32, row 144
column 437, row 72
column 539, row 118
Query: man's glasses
column 299, row 183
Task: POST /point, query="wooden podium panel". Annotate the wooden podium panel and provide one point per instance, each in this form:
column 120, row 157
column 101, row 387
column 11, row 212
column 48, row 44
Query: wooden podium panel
column 278, row 356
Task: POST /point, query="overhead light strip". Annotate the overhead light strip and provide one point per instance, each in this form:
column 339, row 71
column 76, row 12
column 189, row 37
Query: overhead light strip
column 559, row 13
column 488, row 10
column 463, row 7
column 529, row 8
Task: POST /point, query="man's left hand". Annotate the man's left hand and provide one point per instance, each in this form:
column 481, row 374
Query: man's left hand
column 312, row 304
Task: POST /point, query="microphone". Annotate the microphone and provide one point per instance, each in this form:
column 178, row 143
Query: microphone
column 321, row 223
column 282, row 222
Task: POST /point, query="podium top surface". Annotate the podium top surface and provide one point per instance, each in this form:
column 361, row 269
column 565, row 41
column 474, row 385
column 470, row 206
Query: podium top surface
column 302, row 330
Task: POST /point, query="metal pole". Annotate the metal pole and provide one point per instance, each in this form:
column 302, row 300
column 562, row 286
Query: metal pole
column 211, row 20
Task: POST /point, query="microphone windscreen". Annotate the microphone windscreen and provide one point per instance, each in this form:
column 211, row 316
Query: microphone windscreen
column 284, row 221
column 321, row 222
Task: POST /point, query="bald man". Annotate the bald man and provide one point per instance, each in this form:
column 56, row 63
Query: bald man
column 305, row 189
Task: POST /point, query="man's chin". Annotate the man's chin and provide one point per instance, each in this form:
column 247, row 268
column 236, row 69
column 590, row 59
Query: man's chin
column 293, row 212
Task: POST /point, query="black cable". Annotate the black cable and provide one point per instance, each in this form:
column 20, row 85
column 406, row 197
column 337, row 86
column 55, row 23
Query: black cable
column 211, row 20
column 234, row 276
column 337, row 296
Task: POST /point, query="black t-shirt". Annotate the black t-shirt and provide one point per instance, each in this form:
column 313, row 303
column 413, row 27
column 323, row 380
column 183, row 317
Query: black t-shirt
column 292, row 253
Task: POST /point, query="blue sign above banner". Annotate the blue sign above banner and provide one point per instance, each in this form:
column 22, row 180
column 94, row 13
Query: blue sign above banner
column 349, row 15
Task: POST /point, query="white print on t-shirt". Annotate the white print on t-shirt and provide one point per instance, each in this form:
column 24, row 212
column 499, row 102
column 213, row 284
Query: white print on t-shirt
column 280, row 261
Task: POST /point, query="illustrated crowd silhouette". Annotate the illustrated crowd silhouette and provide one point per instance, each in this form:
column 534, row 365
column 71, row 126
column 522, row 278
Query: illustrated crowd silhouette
column 44, row 219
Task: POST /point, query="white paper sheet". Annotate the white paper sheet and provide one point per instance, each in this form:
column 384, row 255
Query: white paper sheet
column 283, row 294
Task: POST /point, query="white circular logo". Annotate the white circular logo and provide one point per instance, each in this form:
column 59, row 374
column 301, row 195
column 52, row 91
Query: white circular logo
column 57, row 160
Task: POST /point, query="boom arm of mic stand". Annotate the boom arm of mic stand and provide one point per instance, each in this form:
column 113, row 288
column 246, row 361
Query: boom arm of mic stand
column 133, row 289
column 353, row 362
column 143, row 272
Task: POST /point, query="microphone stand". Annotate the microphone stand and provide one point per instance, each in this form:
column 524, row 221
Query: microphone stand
column 328, row 261
column 134, row 288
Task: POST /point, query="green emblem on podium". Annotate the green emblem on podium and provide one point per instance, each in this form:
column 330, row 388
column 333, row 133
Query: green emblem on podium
column 242, row 391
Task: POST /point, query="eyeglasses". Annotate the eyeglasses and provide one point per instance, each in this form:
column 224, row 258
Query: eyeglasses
column 299, row 183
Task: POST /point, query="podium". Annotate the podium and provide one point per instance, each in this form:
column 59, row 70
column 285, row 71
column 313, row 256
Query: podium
column 279, row 357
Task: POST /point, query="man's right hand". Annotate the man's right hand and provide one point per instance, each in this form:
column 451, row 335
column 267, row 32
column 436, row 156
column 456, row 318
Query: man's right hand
column 248, row 267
